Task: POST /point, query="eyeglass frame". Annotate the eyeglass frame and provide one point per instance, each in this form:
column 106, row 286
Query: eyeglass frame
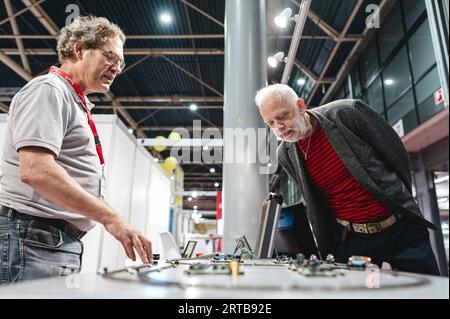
column 108, row 54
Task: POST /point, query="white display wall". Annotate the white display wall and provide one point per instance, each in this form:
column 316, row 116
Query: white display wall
column 136, row 187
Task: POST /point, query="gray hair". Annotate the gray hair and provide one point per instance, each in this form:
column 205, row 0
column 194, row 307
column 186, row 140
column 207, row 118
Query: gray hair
column 284, row 93
column 90, row 31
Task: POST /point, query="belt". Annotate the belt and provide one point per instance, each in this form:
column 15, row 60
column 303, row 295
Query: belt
column 60, row 224
column 371, row 228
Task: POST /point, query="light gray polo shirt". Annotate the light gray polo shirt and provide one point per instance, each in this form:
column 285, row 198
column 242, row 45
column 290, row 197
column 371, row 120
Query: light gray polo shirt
column 48, row 113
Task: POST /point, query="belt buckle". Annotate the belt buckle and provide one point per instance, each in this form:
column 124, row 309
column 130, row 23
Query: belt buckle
column 360, row 228
column 372, row 228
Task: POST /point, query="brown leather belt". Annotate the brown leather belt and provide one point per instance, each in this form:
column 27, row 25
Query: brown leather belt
column 60, row 224
column 371, row 228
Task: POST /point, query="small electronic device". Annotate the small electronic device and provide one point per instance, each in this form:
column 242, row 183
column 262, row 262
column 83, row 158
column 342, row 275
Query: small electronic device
column 359, row 261
column 243, row 246
column 190, row 246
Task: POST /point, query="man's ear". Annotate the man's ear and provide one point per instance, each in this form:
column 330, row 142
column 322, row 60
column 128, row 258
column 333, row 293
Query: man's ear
column 78, row 49
column 301, row 105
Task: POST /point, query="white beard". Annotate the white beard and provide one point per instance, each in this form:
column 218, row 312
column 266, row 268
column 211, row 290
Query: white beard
column 301, row 129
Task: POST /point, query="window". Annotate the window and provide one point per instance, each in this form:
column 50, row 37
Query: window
column 422, row 53
column 401, row 107
column 356, row 82
column 375, row 96
column 396, row 77
column 427, row 86
column 425, row 95
column 369, row 62
column 412, row 10
column 391, row 32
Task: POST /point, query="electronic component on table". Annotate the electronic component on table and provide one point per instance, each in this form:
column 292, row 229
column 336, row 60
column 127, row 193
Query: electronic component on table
column 359, row 261
column 213, row 269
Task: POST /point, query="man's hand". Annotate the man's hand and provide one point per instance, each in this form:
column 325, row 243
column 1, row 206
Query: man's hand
column 130, row 238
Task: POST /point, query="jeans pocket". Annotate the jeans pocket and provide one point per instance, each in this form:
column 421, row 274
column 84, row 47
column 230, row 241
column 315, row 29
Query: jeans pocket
column 42, row 235
column 4, row 260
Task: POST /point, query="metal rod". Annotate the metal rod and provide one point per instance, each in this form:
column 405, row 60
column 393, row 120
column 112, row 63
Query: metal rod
column 300, row 23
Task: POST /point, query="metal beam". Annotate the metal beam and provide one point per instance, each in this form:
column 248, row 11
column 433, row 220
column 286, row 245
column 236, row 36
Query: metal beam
column 201, row 194
column 18, row 13
column 335, row 48
column 127, row 51
column 206, row 174
column 384, row 8
column 174, row 128
column 126, row 115
column 15, row 67
column 161, row 107
column 299, row 25
column 42, row 16
column 325, row 27
column 138, row 99
column 4, row 107
column 202, row 12
column 16, row 31
column 191, row 142
column 348, row 38
column 128, row 37
column 192, row 75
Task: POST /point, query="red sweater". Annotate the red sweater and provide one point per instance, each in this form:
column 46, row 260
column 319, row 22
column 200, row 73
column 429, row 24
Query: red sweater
column 343, row 193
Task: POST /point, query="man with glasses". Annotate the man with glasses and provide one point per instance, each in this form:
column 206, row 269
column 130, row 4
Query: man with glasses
column 52, row 181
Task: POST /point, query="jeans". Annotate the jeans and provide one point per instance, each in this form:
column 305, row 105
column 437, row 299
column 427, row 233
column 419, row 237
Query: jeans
column 404, row 245
column 30, row 249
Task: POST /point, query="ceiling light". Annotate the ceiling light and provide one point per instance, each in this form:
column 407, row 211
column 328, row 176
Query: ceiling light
column 216, row 184
column 275, row 59
column 189, row 199
column 130, row 130
column 301, row 81
column 194, row 194
column 388, row 81
column 195, row 207
column 156, row 160
column 165, row 18
column 193, row 107
column 282, row 19
column 206, row 147
column 212, row 170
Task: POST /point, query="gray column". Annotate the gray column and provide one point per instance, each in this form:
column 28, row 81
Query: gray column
column 426, row 197
column 244, row 188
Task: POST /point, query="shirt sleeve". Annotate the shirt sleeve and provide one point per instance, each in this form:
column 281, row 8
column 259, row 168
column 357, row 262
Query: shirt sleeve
column 40, row 118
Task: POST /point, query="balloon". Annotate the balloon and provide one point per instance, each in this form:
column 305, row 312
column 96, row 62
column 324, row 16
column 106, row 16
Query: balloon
column 174, row 136
column 170, row 163
column 159, row 148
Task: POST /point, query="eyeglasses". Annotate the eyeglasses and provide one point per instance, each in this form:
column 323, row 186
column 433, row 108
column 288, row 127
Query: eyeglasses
column 113, row 58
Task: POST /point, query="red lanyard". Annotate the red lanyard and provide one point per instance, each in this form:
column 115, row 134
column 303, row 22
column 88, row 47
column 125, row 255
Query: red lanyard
column 91, row 123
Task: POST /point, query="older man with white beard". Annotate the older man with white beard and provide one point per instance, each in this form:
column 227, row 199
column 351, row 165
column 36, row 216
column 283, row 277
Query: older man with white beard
column 353, row 172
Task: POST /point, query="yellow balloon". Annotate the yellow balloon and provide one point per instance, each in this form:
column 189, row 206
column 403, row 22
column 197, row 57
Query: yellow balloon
column 159, row 148
column 174, row 136
column 170, row 163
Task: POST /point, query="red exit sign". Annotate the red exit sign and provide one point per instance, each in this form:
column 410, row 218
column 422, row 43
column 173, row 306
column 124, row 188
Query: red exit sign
column 439, row 96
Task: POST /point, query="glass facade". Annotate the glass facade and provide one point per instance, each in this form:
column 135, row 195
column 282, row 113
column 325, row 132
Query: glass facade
column 396, row 73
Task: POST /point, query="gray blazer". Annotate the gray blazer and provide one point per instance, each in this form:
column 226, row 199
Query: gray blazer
column 372, row 152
